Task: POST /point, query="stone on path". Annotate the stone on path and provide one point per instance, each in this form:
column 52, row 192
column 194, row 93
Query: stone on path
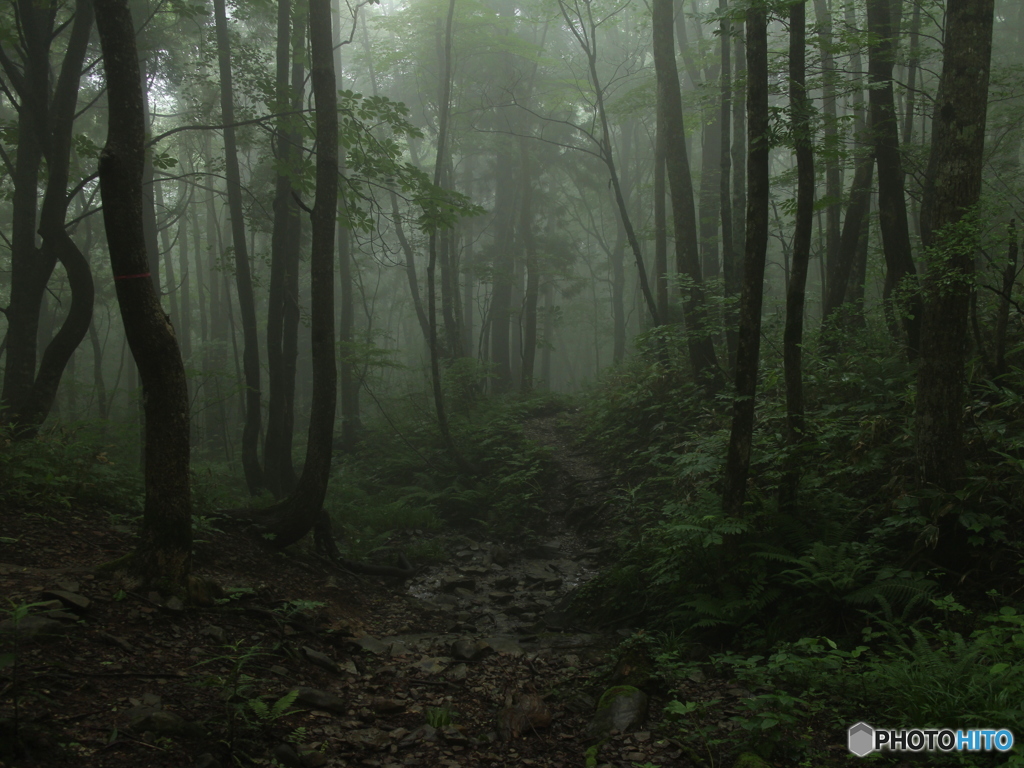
column 622, row 708
column 322, row 700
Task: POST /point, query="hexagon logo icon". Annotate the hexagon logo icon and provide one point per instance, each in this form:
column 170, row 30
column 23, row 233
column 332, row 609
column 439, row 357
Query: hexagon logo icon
column 860, row 739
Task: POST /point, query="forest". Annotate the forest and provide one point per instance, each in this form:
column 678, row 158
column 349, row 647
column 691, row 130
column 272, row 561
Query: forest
column 605, row 383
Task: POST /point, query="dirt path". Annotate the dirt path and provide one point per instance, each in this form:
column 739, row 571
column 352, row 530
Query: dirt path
column 474, row 663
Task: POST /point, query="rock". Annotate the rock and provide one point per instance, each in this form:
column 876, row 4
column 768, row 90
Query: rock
column 538, row 573
column 504, row 582
column 453, row 583
column 453, row 735
column 33, row 628
column 383, row 706
column 500, row 555
column 368, row 738
column 286, row 755
column 370, row 645
column 500, row 598
column 317, row 699
column 70, row 599
column 320, row 659
column 217, row 634
column 458, row 672
column 432, row 665
column 68, row 586
column 311, row 757
column 206, row 760
column 424, row 733
column 174, row 604
column 465, row 594
column 622, row 708
column 469, row 649
column 504, row 644
column 528, row 713
column 120, row 642
column 157, row 721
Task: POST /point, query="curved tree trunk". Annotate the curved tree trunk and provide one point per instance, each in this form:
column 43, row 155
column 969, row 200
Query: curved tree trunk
column 164, row 553
column 901, row 290
column 45, row 130
column 296, row 516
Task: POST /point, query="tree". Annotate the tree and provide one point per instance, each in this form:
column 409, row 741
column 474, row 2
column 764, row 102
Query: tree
column 949, row 229
column 243, row 277
column 737, row 465
column 46, row 116
column 800, row 112
column 900, row 293
column 291, row 519
column 164, row 554
column 670, row 111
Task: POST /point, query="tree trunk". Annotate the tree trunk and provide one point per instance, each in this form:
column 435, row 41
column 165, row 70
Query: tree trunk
column 737, row 466
column 501, row 274
column 800, row 111
column 701, row 345
column 730, row 263
column 901, row 291
column 857, row 211
column 282, row 304
column 45, row 128
column 243, row 277
column 294, row 517
column 532, row 272
column 831, row 148
column 950, row 232
column 163, row 557
column 1003, row 312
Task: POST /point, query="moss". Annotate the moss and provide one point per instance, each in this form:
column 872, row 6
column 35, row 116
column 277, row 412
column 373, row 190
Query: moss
column 613, row 693
column 750, row 760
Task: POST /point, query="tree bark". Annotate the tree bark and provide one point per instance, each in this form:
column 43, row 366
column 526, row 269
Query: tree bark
column 950, row 237
column 45, row 125
column 737, row 466
column 243, row 277
column 1003, row 311
column 164, row 552
column 901, row 291
column 291, row 519
column 833, row 171
column 701, row 345
column 532, row 272
column 282, row 302
column 730, row 263
column 800, row 111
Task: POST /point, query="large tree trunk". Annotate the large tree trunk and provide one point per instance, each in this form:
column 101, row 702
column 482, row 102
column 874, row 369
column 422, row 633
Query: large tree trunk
column 737, row 466
column 731, row 273
column 950, row 236
column 45, row 127
column 243, row 277
column 901, row 291
column 163, row 556
column 283, row 299
column 701, row 345
column 296, row 516
column 792, row 352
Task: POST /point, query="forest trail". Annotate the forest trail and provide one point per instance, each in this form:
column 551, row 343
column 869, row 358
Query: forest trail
column 472, row 663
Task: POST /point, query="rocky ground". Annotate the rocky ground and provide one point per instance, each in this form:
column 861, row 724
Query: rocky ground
column 472, row 663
